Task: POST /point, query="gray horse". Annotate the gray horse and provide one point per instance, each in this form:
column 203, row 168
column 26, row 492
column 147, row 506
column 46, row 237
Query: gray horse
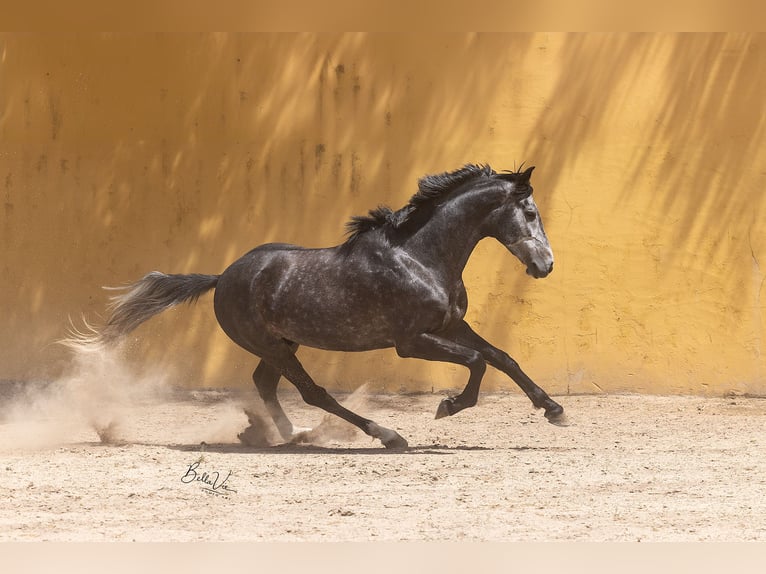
column 395, row 282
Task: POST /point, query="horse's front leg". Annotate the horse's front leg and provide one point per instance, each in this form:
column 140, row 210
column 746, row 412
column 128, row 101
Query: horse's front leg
column 443, row 348
column 499, row 359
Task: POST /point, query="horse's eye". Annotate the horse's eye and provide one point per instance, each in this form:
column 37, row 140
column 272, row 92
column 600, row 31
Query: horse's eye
column 530, row 215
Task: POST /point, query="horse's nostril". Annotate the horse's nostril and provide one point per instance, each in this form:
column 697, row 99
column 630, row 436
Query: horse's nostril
column 550, row 267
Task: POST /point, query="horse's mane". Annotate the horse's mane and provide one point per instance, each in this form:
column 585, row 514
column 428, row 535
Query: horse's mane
column 431, row 188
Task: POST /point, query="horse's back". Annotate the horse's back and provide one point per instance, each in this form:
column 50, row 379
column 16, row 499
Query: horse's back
column 273, row 259
column 267, row 247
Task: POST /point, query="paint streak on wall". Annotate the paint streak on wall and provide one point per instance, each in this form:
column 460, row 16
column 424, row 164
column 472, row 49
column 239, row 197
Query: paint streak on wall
column 120, row 154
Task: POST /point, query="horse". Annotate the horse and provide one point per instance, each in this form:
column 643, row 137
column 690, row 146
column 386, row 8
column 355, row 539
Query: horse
column 396, row 281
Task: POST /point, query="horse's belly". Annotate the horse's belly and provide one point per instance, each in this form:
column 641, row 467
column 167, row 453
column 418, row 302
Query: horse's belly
column 334, row 331
column 349, row 344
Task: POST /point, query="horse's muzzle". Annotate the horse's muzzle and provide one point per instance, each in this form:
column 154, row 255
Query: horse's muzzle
column 538, row 272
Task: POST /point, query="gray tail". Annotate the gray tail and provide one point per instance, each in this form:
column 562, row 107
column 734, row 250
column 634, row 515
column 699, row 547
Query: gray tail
column 141, row 301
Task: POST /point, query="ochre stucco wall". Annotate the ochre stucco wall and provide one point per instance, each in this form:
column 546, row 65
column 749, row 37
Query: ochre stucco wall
column 120, row 154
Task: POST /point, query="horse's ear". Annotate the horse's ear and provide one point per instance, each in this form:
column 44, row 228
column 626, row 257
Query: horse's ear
column 524, row 177
column 519, row 177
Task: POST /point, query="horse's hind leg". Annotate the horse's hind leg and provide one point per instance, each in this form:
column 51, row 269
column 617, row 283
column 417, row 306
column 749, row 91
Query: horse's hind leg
column 266, row 378
column 317, row 396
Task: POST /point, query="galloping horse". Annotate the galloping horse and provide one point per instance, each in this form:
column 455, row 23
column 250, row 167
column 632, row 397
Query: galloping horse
column 395, row 282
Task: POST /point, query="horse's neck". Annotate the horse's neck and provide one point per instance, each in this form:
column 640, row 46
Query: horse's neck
column 446, row 241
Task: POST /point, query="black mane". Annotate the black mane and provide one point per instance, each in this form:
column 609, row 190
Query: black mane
column 362, row 223
column 431, row 188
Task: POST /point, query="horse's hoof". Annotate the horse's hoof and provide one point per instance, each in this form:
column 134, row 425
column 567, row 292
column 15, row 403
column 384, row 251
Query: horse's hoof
column 395, row 442
column 558, row 419
column 445, row 409
column 302, row 436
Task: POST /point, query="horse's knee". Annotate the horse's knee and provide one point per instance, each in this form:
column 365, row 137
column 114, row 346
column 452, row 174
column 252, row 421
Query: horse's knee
column 512, row 363
column 502, row 360
column 476, row 362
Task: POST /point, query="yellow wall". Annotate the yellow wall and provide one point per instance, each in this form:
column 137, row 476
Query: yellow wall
column 121, row 154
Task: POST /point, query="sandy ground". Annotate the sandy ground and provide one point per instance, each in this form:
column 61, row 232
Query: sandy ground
column 628, row 468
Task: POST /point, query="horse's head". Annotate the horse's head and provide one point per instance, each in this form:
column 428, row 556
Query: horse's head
column 517, row 224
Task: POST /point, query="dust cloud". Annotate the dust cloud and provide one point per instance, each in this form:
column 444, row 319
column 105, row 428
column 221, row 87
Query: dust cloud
column 262, row 432
column 103, row 398
column 92, row 401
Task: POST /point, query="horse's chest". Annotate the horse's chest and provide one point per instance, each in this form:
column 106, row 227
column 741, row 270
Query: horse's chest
column 445, row 306
column 458, row 304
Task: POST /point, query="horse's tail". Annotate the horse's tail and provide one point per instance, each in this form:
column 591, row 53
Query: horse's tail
column 141, row 301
